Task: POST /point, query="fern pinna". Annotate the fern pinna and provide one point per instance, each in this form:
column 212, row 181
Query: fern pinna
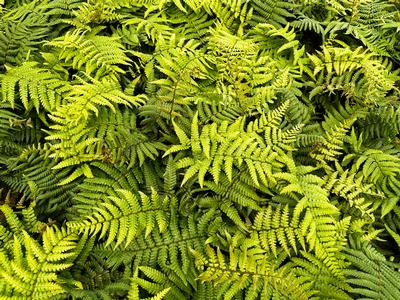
column 199, row 149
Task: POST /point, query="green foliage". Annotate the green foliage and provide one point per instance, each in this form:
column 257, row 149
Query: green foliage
column 123, row 218
column 249, row 270
column 199, row 149
column 37, row 87
column 372, row 276
column 30, row 269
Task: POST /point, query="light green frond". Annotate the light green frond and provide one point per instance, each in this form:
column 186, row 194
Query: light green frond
column 249, row 271
column 37, row 87
column 124, row 217
column 98, row 55
column 32, row 270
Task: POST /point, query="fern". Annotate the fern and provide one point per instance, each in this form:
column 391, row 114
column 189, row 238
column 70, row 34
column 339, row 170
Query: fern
column 34, row 178
column 373, row 277
column 168, row 249
column 18, row 39
column 100, row 53
column 124, row 215
column 162, row 286
column 251, row 271
column 82, row 103
column 356, row 67
column 122, row 140
column 314, row 272
column 275, row 227
column 37, row 87
column 275, row 13
column 227, row 146
column 210, row 149
column 372, row 22
column 32, row 270
column 318, row 222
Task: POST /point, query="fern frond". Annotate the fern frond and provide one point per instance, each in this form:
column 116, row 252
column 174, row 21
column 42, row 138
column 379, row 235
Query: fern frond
column 223, row 148
column 160, row 286
column 317, row 274
column 251, row 271
column 376, row 164
column 124, row 217
column 273, row 227
column 14, row 226
column 32, row 270
column 168, row 250
column 273, row 12
column 356, row 67
column 98, row 55
column 34, row 177
column 36, row 86
column 370, row 275
column 318, row 224
column 305, row 23
column 19, row 38
column 75, row 146
column 122, row 141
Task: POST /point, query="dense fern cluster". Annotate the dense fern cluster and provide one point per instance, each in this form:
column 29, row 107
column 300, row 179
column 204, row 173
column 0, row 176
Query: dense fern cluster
column 199, row 149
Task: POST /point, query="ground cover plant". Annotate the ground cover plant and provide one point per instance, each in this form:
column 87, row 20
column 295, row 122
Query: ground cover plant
column 199, row 149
